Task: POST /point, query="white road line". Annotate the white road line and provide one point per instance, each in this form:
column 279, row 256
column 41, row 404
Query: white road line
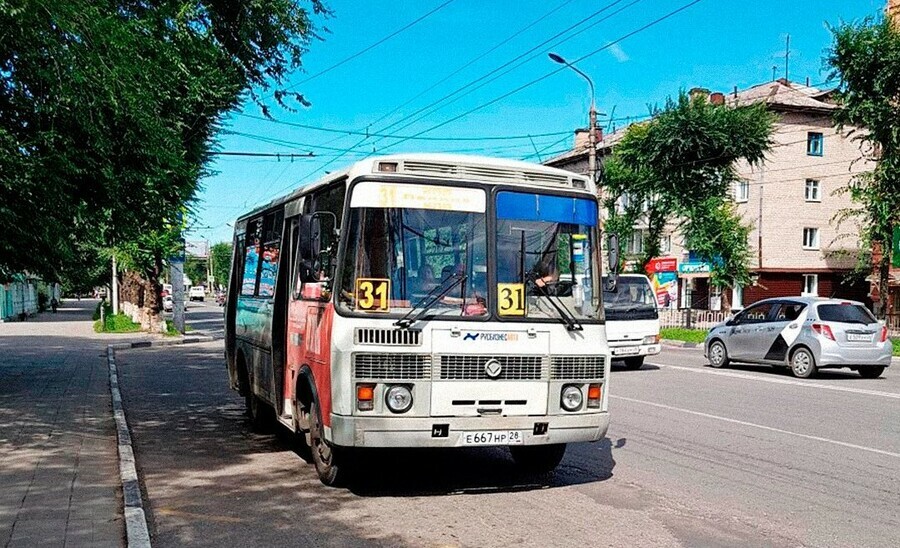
column 776, row 380
column 761, row 427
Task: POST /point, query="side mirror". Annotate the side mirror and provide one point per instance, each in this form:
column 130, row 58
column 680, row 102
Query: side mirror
column 310, row 238
column 613, row 253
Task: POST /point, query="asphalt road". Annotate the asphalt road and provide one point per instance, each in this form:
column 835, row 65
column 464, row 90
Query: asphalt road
column 695, row 457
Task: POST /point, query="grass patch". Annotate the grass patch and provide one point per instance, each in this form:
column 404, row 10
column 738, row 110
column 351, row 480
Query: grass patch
column 172, row 332
column 118, row 323
column 682, row 334
column 896, row 343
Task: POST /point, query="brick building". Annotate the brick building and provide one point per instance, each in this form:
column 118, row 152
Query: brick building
column 791, row 202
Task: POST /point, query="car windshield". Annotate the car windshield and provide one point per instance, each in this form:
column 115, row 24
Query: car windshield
column 546, row 259
column 409, row 243
column 846, row 313
column 633, row 299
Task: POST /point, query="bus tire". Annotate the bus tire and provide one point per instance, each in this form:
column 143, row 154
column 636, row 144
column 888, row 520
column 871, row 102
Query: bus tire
column 538, row 459
column 254, row 406
column 330, row 465
column 634, row 362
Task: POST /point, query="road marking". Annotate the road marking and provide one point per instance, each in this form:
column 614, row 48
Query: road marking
column 761, row 427
column 792, row 382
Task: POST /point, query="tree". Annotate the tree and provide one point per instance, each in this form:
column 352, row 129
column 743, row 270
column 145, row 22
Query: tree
column 679, row 166
column 866, row 58
column 109, row 110
column 221, row 262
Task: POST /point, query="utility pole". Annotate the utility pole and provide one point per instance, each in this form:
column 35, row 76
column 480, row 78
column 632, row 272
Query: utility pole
column 115, row 287
column 787, row 57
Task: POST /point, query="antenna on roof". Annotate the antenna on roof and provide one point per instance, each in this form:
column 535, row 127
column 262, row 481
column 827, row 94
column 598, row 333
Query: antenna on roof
column 735, row 92
column 774, row 70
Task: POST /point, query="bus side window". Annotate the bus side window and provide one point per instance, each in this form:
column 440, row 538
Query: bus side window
column 250, row 277
column 271, row 249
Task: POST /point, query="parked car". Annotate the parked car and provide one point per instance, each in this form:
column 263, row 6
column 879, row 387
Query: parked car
column 197, row 293
column 805, row 334
column 168, row 303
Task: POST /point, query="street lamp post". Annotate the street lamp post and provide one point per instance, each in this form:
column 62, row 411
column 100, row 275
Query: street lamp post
column 592, row 121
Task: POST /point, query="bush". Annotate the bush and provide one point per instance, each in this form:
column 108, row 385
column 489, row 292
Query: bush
column 681, row 334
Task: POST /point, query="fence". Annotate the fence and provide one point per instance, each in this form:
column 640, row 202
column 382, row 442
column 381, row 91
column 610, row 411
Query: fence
column 18, row 298
column 698, row 319
column 893, row 324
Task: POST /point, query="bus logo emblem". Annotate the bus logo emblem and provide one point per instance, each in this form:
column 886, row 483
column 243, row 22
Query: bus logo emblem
column 492, row 368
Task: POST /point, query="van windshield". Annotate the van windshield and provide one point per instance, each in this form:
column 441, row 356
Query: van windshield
column 633, row 299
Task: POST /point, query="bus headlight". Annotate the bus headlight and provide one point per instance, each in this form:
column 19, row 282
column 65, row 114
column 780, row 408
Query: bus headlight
column 398, row 398
column 571, row 398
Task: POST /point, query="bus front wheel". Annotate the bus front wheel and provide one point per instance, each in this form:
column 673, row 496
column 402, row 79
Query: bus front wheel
column 326, row 458
column 538, row 459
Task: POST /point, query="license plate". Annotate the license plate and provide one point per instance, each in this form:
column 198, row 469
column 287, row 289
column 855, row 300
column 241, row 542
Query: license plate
column 493, row 437
column 626, row 351
column 859, row 337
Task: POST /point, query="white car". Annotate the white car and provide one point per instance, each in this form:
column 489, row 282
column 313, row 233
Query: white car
column 197, row 293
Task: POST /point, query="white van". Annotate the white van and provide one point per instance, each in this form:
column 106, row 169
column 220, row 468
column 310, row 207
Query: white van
column 632, row 319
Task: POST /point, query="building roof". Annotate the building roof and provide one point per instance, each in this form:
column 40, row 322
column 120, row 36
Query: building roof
column 784, row 95
column 781, row 95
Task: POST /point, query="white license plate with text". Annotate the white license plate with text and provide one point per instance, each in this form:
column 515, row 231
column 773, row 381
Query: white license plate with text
column 492, row 437
column 859, row 337
column 627, row 351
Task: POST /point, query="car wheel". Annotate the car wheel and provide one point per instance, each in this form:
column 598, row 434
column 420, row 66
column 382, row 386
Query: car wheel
column 803, row 364
column 538, row 459
column 871, row 371
column 718, row 354
column 327, row 458
column 635, row 362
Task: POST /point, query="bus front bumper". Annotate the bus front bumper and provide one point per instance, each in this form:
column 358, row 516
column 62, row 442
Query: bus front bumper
column 355, row 431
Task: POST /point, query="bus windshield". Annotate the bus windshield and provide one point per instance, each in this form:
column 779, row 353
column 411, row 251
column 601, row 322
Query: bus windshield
column 633, row 299
column 546, row 261
column 410, row 244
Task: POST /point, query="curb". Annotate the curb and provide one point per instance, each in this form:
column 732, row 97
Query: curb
column 136, row 532
column 680, row 344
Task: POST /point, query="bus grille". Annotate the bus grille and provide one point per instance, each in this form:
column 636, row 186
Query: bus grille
column 388, row 337
column 469, row 367
column 391, row 366
column 577, row 367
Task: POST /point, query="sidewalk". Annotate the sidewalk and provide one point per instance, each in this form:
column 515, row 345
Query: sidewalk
column 59, row 480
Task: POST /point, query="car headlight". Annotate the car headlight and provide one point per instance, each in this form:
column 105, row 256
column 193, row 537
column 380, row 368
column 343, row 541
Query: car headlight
column 399, row 398
column 651, row 339
column 571, row 398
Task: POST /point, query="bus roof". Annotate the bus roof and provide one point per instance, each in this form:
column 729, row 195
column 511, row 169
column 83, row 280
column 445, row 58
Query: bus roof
column 433, row 166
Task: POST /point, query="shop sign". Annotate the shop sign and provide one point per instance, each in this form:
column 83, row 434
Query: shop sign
column 662, row 264
column 694, row 268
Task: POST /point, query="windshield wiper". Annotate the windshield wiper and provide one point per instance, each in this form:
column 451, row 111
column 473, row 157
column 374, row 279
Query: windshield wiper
column 435, row 295
column 572, row 323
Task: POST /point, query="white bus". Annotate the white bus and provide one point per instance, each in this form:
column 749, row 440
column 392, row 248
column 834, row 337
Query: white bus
column 423, row 300
column 632, row 319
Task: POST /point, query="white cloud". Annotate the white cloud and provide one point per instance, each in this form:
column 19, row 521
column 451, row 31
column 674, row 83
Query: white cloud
column 618, row 53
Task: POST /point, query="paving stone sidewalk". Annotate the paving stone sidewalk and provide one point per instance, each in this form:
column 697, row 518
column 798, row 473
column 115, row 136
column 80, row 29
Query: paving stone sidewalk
column 59, row 480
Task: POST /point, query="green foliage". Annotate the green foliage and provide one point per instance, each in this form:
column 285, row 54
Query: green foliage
column 680, row 166
column 865, row 57
column 108, row 112
column 682, row 334
column 105, row 306
column 896, row 343
column 221, row 262
column 116, row 323
column 195, row 269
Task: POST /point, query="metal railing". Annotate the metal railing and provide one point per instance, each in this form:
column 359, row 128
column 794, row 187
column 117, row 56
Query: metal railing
column 690, row 319
column 893, row 324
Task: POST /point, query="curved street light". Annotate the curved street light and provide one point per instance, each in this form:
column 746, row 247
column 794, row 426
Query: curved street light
column 592, row 118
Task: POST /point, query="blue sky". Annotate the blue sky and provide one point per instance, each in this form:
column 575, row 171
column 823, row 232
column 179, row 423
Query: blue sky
column 717, row 44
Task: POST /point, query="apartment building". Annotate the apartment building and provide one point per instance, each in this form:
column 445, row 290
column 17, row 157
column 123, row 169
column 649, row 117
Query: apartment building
column 792, row 201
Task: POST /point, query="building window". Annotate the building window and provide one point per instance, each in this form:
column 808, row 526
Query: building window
column 810, row 238
column 665, row 244
column 636, row 245
column 814, row 143
column 811, row 285
column 741, row 191
column 813, row 190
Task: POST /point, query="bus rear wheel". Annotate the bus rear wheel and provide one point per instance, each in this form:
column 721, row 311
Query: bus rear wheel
column 327, row 459
column 538, row 459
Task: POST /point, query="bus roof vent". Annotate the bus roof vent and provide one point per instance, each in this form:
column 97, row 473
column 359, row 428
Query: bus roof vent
column 485, row 173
